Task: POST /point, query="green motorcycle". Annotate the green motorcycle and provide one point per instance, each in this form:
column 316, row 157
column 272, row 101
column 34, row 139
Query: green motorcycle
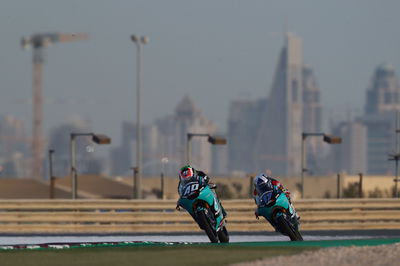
column 278, row 211
column 203, row 205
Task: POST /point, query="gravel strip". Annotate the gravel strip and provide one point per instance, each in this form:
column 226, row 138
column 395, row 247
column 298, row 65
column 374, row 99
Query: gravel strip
column 383, row 255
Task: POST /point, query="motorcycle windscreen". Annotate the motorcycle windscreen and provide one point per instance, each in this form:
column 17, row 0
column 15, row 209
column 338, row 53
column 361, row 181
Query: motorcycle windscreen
column 191, row 190
column 267, row 198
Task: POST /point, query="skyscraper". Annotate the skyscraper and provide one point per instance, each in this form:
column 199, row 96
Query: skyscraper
column 312, row 118
column 13, row 147
column 164, row 142
column 59, row 141
column 243, row 128
column 383, row 93
column 187, row 119
column 383, row 102
column 279, row 141
column 312, row 110
column 350, row 157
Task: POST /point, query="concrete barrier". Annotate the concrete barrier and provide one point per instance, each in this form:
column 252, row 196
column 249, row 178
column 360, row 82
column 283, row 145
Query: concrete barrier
column 133, row 216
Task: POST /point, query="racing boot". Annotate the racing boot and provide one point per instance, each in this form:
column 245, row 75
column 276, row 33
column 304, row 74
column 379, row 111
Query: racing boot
column 295, row 212
column 223, row 210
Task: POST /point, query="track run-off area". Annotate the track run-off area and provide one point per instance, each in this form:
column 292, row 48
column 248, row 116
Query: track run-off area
column 319, row 243
column 195, row 249
column 311, row 239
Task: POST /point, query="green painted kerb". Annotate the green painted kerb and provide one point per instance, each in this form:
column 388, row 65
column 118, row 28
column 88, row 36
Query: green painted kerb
column 318, row 244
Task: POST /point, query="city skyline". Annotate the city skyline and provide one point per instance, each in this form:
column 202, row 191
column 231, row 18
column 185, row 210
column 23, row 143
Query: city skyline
column 228, row 56
column 166, row 137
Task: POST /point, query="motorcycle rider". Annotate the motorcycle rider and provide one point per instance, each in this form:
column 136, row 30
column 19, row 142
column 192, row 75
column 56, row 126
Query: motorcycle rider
column 263, row 183
column 189, row 174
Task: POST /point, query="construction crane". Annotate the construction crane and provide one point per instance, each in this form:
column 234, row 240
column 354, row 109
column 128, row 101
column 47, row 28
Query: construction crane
column 38, row 42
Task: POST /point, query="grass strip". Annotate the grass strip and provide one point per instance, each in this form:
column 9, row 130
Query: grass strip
column 146, row 255
column 167, row 253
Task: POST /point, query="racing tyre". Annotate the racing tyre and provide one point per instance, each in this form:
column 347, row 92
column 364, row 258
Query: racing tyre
column 223, row 235
column 206, row 225
column 285, row 226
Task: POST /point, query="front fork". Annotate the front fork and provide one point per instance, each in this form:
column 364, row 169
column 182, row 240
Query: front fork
column 215, row 212
column 207, row 211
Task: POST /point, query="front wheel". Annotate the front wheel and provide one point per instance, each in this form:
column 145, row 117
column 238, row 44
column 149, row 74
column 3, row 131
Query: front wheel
column 204, row 221
column 288, row 229
column 223, row 235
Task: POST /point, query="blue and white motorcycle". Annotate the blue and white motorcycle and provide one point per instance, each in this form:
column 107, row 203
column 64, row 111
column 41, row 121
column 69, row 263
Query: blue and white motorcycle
column 203, row 205
column 278, row 211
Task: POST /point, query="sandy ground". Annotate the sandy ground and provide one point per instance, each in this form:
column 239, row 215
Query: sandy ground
column 384, row 255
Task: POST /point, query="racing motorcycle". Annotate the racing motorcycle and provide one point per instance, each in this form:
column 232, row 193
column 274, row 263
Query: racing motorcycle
column 278, row 211
column 203, row 205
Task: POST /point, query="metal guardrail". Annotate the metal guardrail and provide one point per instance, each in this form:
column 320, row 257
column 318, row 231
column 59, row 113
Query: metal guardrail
column 132, row 216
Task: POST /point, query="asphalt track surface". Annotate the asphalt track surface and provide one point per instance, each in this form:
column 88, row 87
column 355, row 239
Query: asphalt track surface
column 255, row 238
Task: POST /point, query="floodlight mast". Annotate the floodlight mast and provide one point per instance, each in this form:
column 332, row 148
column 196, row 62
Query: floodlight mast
column 96, row 138
column 327, row 138
column 214, row 140
column 38, row 42
column 139, row 41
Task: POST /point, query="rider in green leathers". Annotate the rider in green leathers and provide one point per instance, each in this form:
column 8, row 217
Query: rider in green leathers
column 189, row 174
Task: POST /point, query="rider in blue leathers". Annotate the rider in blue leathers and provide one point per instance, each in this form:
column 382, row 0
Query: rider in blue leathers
column 264, row 183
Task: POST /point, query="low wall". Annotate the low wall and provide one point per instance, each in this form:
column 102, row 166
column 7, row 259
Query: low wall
column 134, row 216
column 315, row 186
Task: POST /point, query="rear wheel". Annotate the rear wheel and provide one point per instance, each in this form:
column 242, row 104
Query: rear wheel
column 206, row 223
column 287, row 228
column 223, row 235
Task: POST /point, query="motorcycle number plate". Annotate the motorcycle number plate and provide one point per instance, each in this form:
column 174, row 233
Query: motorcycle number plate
column 190, row 188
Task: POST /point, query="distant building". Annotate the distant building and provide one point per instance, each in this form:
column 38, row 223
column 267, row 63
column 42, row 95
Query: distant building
column 383, row 102
column 312, row 109
column 219, row 160
column 278, row 145
column 173, row 132
column 14, row 147
column 266, row 133
column 243, row 129
column 350, row 157
column 164, row 143
column 124, row 157
column 380, row 142
column 383, row 93
column 60, row 140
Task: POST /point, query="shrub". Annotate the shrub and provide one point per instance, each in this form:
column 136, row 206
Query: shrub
column 327, row 194
column 223, row 191
column 376, row 193
column 351, row 191
column 238, row 188
column 156, row 192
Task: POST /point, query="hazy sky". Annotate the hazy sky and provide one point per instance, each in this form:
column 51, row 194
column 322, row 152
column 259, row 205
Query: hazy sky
column 214, row 50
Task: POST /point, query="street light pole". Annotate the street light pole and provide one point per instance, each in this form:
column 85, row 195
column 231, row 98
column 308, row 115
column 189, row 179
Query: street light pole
column 214, row 140
column 396, row 188
column 139, row 41
column 396, row 157
column 51, row 176
column 164, row 161
column 73, row 167
column 327, row 138
column 97, row 138
column 303, row 162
